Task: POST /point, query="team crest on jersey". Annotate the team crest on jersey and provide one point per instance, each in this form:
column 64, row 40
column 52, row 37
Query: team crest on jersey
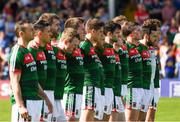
column 77, row 53
column 41, row 56
column 145, row 54
column 124, row 48
column 151, row 48
column 133, row 51
column 117, row 58
column 49, row 47
column 60, row 56
column 108, row 51
column 92, row 51
column 28, row 58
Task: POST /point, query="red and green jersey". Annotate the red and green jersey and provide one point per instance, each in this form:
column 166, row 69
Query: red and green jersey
column 146, row 61
column 91, row 65
column 41, row 62
column 101, row 70
column 75, row 76
column 118, row 75
column 156, row 78
column 61, row 72
column 108, row 60
column 21, row 60
column 135, row 67
column 124, row 56
column 51, row 67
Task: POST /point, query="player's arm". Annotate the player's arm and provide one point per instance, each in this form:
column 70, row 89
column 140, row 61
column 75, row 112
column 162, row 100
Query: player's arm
column 44, row 96
column 14, row 81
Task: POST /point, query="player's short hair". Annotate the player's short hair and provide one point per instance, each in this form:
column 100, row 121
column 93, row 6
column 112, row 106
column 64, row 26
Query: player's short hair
column 49, row 17
column 111, row 27
column 127, row 30
column 73, row 22
column 21, row 26
column 120, row 19
column 95, row 24
column 150, row 25
column 69, row 33
column 40, row 25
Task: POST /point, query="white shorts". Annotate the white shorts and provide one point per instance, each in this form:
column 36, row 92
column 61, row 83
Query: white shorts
column 72, row 105
column 123, row 90
column 34, row 108
column 59, row 114
column 99, row 104
column 155, row 98
column 50, row 95
column 146, row 99
column 88, row 98
column 134, row 98
column 118, row 105
column 108, row 100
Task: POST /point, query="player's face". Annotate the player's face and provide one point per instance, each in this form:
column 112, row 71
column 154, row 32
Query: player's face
column 99, row 35
column 81, row 31
column 46, row 35
column 29, row 32
column 71, row 44
column 117, row 33
column 124, row 23
column 139, row 32
column 55, row 28
column 153, row 36
column 135, row 35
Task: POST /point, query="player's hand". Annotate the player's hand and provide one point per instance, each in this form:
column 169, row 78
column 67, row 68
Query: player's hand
column 23, row 112
column 33, row 44
column 49, row 105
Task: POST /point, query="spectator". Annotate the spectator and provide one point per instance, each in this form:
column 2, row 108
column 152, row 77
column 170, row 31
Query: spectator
column 102, row 15
column 14, row 5
column 141, row 14
column 170, row 64
column 66, row 4
column 2, row 21
column 163, row 54
column 155, row 10
column 171, row 31
column 25, row 2
column 168, row 11
column 88, row 5
column 148, row 3
column 164, row 29
column 3, row 43
column 9, row 28
column 86, row 14
column 7, row 9
column 177, row 17
column 176, row 42
column 3, row 56
column 173, row 28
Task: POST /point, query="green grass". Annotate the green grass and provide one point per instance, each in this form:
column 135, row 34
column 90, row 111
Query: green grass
column 5, row 110
column 168, row 110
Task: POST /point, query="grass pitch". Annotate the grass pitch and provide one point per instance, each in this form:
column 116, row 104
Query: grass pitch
column 168, row 110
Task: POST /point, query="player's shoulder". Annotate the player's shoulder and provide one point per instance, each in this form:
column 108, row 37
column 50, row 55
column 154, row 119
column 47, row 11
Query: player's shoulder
column 17, row 49
column 55, row 48
column 84, row 44
column 17, row 52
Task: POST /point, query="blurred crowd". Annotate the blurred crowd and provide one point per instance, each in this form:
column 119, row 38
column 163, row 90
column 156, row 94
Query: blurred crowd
column 167, row 11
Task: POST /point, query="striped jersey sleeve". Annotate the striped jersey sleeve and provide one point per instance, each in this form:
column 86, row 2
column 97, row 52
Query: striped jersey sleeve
column 15, row 64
